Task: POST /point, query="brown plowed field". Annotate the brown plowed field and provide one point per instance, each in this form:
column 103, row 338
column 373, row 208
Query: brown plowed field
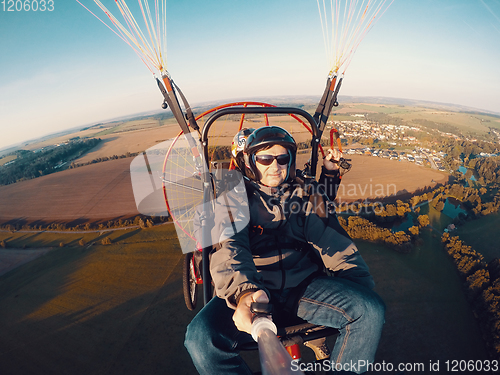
column 104, row 190
column 376, row 178
column 373, row 177
column 97, row 191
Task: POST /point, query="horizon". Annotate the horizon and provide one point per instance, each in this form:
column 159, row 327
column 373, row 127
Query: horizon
column 348, row 99
column 63, row 69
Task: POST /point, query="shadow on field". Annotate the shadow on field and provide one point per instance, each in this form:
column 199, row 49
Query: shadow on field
column 127, row 235
column 100, row 145
column 108, row 310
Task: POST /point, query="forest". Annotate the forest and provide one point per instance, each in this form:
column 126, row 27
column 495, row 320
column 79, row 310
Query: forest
column 487, row 168
column 31, row 164
column 482, row 288
column 363, row 229
column 140, row 221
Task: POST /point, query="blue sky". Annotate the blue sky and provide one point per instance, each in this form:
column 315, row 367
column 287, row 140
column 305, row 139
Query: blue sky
column 63, row 68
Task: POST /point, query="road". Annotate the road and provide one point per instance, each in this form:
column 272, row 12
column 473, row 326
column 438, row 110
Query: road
column 431, row 160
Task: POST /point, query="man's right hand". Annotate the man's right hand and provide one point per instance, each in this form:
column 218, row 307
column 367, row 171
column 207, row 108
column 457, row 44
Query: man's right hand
column 242, row 317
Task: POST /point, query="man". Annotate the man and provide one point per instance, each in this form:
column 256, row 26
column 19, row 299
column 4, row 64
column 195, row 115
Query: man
column 281, row 257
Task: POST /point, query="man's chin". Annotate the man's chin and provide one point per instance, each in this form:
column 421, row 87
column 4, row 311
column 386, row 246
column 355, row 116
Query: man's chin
column 274, row 182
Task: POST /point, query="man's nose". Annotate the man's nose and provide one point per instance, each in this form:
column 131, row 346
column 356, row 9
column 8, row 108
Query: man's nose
column 275, row 164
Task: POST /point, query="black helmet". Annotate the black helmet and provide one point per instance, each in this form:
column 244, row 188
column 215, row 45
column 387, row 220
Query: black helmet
column 266, row 137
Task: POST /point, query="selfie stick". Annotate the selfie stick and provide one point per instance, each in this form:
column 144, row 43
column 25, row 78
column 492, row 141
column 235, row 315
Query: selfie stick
column 274, row 359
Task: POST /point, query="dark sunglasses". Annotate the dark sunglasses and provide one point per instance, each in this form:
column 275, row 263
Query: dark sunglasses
column 282, row 159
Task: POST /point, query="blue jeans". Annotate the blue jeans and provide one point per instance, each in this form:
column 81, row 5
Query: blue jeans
column 356, row 311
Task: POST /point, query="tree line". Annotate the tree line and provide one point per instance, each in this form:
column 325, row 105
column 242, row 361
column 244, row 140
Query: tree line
column 391, row 212
column 487, row 168
column 103, row 159
column 30, row 164
column 139, row 220
column 467, row 150
column 481, row 283
column 363, row 229
column 477, row 201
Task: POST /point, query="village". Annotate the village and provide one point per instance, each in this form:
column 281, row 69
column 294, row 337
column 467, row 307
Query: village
column 398, row 136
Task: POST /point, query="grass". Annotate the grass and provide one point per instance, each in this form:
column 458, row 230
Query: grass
column 107, row 131
column 342, row 117
column 379, row 108
column 119, row 309
column 427, row 316
column 132, row 125
column 115, row 309
column 23, row 239
column 463, row 121
column 483, row 235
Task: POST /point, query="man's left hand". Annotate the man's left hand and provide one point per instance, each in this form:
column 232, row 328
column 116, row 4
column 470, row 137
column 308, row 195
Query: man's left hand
column 331, row 160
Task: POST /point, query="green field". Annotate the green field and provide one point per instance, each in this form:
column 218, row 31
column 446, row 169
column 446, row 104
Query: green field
column 380, row 108
column 428, row 316
column 119, row 309
column 464, row 122
column 115, row 309
column 36, row 239
column 483, row 235
column 411, row 115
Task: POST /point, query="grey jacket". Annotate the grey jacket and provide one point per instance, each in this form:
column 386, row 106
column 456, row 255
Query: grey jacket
column 290, row 237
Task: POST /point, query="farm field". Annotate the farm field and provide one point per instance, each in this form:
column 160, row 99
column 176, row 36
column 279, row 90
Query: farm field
column 374, row 108
column 115, row 309
column 482, row 235
column 59, row 139
column 221, row 133
column 115, row 130
column 13, row 258
column 130, row 141
column 373, row 178
column 100, row 130
column 104, row 190
column 464, row 122
column 119, row 309
column 98, row 191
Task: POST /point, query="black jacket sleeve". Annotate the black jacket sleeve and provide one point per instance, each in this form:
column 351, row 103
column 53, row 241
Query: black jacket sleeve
column 330, row 182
